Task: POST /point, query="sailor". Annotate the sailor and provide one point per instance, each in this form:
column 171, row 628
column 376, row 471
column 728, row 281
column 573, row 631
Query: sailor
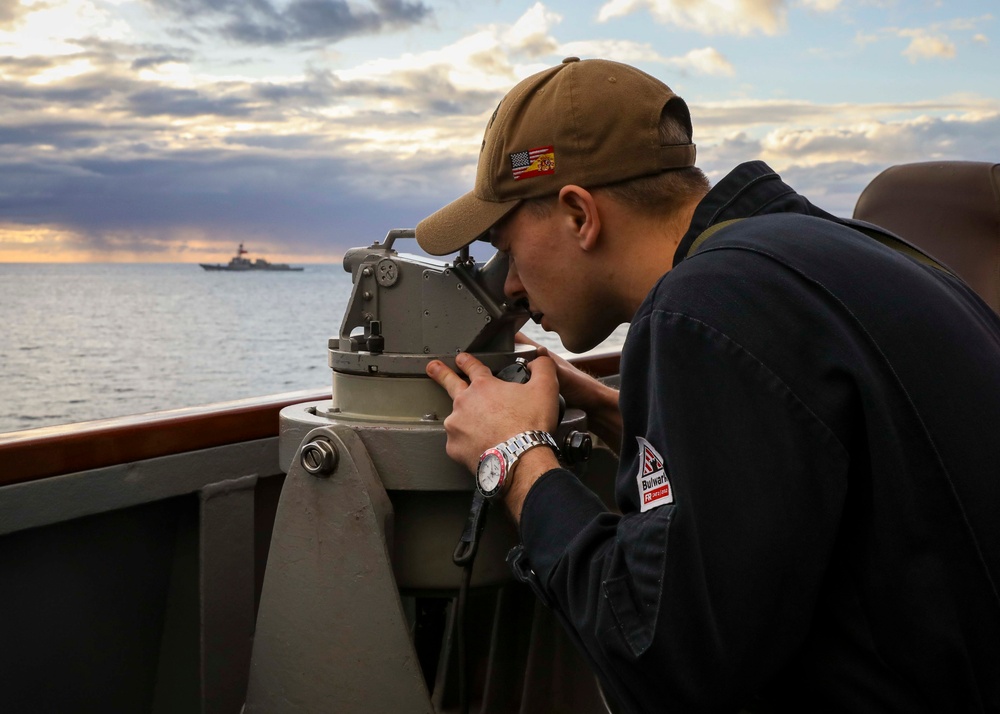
column 809, row 473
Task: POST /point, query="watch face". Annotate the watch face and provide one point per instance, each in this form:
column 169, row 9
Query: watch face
column 492, row 469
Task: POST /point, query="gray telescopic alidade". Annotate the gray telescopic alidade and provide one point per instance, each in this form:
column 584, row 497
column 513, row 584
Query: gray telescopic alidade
column 371, row 506
column 406, row 310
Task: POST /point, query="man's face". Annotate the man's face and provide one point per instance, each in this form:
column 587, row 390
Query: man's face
column 548, row 270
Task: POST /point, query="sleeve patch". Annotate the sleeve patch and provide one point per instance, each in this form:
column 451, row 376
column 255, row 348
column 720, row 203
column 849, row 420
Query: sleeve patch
column 652, row 480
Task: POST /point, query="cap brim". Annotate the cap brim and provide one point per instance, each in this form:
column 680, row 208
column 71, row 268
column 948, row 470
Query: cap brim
column 459, row 223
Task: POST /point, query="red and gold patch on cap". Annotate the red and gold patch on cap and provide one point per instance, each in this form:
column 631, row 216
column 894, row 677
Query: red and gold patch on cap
column 535, row 162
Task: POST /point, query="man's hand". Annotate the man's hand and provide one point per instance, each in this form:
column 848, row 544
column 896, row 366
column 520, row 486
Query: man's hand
column 488, row 411
column 581, row 391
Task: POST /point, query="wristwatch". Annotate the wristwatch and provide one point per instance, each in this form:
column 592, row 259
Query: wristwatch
column 496, row 464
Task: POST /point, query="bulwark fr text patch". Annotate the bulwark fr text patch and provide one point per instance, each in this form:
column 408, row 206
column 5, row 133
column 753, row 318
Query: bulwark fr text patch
column 654, row 486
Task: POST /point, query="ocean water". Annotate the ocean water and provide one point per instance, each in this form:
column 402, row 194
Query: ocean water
column 89, row 341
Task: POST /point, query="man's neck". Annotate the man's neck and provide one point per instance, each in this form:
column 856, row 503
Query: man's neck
column 654, row 241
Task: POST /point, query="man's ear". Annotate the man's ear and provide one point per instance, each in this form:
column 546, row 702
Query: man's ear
column 580, row 215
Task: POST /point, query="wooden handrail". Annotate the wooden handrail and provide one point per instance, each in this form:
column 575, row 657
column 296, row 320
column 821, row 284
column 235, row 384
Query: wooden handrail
column 69, row 448
column 51, row 451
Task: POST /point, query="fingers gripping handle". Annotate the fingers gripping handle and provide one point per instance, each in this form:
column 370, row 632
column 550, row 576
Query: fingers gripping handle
column 519, row 374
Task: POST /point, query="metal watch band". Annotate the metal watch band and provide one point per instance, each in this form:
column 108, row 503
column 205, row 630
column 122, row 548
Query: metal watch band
column 517, row 445
column 508, row 452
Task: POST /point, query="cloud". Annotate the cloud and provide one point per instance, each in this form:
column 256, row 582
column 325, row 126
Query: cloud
column 831, row 165
column 926, row 46
column 10, row 10
column 833, row 186
column 709, row 17
column 706, row 60
column 259, row 22
column 923, row 138
column 23, row 67
column 151, row 61
column 51, row 27
column 746, row 114
column 54, row 135
column 820, row 5
column 311, row 164
column 703, row 61
column 861, row 39
column 963, row 24
column 304, row 206
column 719, row 118
column 931, row 42
column 166, row 101
column 832, row 151
column 530, row 34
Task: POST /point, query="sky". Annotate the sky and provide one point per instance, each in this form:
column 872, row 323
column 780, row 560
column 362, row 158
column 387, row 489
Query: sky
column 171, row 130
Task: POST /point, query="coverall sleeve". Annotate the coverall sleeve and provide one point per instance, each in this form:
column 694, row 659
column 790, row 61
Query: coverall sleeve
column 693, row 605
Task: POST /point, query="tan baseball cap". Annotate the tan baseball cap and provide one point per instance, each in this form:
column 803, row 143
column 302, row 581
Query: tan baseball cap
column 589, row 123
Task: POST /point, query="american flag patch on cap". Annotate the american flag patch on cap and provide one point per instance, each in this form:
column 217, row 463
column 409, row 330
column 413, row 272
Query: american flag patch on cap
column 535, row 162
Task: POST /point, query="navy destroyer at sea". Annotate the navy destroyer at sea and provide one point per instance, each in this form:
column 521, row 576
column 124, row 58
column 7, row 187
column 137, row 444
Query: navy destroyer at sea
column 239, row 263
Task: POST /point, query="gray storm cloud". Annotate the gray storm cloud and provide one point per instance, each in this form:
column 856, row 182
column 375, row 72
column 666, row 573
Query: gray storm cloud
column 259, row 22
column 101, row 153
column 306, row 206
